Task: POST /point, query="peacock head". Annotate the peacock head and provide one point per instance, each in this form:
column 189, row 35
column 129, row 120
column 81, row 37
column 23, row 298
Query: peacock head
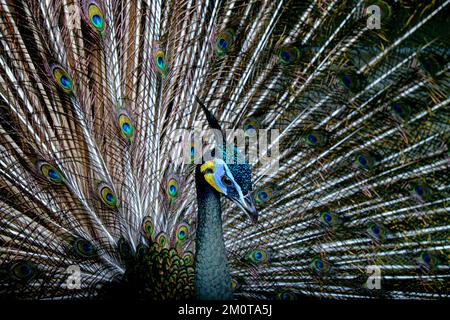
column 233, row 181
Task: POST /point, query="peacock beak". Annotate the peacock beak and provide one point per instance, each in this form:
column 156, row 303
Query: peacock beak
column 247, row 205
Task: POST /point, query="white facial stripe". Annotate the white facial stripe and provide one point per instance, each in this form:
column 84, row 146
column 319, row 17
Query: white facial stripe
column 221, row 169
column 218, row 173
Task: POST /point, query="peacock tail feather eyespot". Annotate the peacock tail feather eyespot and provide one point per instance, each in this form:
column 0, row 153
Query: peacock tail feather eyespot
column 96, row 16
column 188, row 258
column 421, row 190
column 258, row 256
column 263, row 196
column 319, row 265
column 376, row 231
column 50, row 172
column 349, row 79
column 329, row 218
column 385, row 9
column 288, row 55
column 173, row 186
column 287, row 295
column 62, row 78
column 224, row 42
column 107, row 195
column 427, row 260
column 148, row 228
column 315, row 138
column 126, row 125
column 161, row 239
column 182, row 232
column 235, row 284
column 23, row 271
column 364, row 160
column 84, row 248
column 401, row 110
column 161, row 62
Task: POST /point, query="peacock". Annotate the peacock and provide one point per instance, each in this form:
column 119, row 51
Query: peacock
column 128, row 130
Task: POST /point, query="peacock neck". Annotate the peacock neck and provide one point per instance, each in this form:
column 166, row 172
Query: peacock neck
column 212, row 277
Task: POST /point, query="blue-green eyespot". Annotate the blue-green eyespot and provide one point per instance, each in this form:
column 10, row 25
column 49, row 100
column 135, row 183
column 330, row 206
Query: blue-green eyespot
column 126, row 125
column 172, row 186
column 161, row 62
column 224, row 42
column 315, row 138
column 288, row 55
column 84, row 248
column 107, row 195
column 257, row 256
column 420, row 190
column 376, row 231
column 49, row 172
column 95, row 16
column 188, row 258
column 401, row 110
column 23, row 271
column 148, row 228
column 320, row 265
column 161, row 239
column 286, row 295
column 328, row 218
column 364, row 160
column 62, row 78
column 349, row 79
column 182, row 232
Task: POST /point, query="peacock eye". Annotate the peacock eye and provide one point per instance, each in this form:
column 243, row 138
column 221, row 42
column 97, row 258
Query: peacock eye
column 430, row 63
column 173, row 187
column 328, row 218
column 226, row 181
column 84, row 248
column 96, row 18
column 315, row 138
column 288, row 55
column 147, row 227
column 23, row 271
column 126, row 125
column 263, row 196
column 428, row 260
column 182, row 233
column 141, row 251
column 421, row 190
column 188, row 258
column 376, row 231
column 107, row 195
column 250, row 126
column 161, row 63
column 62, row 78
column 161, row 239
column 224, row 42
column 50, row 172
column 285, row 295
column 349, row 79
column 319, row 265
column 365, row 160
column 258, row 256
column 208, row 171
